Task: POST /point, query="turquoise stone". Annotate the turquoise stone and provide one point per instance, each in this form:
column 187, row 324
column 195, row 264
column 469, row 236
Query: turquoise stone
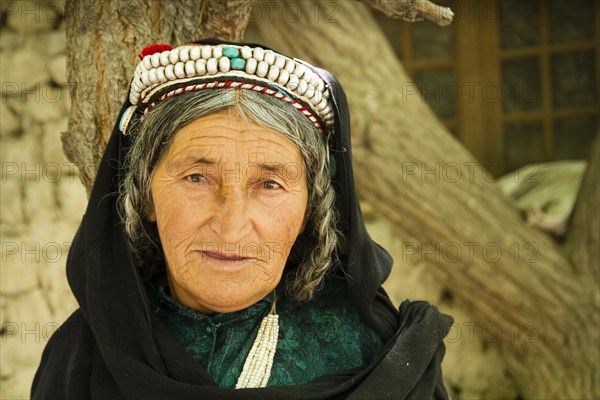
column 231, row 52
column 238, row 63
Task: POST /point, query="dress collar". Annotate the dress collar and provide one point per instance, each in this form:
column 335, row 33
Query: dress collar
column 258, row 309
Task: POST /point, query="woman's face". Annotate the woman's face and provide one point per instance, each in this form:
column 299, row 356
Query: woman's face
column 229, row 201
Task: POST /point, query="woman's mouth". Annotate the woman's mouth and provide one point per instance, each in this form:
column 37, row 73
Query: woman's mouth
column 223, row 257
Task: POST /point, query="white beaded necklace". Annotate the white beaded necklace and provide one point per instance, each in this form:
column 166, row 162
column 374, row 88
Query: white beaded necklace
column 257, row 368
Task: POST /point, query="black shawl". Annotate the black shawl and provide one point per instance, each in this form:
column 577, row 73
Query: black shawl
column 114, row 347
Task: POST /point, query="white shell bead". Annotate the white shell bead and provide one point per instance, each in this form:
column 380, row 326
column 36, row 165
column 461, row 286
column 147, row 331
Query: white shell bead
column 279, row 62
column 309, row 76
column 284, row 76
column 273, row 73
column 302, row 87
column 195, row 53
column 147, row 62
column 246, row 52
column 217, row 52
column 293, row 82
column 160, row 74
column 320, row 84
column 152, row 75
column 316, row 98
column 290, row 65
column 190, row 68
column 164, row 58
column 224, row 64
column 145, row 78
column 212, row 66
column 170, row 73
column 259, row 54
column 180, row 70
column 156, row 60
column 310, row 91
column 300, row 70
column 251, row 64
column 206, row 52
column 262, row 69
column 269, row 57
column 174, row 55
column 184, row 54
column 201, row 66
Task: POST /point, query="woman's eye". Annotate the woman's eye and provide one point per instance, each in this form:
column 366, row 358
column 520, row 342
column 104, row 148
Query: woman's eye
column 196, row 178
column 271, row 185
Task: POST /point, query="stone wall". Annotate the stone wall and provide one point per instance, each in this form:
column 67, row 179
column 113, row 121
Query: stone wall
column 41, row 197
column 42, row 201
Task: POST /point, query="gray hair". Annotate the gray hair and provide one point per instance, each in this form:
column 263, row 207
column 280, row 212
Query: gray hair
column 315, row 250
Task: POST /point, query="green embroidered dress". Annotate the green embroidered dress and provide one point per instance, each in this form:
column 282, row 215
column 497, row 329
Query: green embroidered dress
column 322, row 337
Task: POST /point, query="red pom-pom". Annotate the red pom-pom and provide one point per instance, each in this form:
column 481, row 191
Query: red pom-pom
column 154, row 48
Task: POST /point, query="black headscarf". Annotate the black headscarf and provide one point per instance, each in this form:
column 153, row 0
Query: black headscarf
column 114, row 346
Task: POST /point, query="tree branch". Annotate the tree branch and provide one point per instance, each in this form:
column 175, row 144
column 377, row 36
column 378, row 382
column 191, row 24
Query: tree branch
column 413, row 10
column 227, row 19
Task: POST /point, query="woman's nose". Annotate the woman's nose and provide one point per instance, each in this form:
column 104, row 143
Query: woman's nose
column 231, row 221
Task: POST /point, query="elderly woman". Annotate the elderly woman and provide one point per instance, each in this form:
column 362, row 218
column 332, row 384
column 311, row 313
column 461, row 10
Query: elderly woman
column 223, row 254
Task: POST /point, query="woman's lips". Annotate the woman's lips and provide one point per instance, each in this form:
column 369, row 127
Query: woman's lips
column 215, row 255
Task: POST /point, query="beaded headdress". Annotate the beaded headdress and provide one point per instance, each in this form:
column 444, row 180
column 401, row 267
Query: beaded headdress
column 165, row 72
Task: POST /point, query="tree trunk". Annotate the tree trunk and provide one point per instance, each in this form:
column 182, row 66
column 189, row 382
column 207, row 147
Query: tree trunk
column 582, row 245
column 447, row 210
column 583, row 236
column 103, row 39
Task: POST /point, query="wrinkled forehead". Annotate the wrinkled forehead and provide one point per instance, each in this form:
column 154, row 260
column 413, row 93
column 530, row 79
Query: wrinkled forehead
column 227, row 132
column 227, row 142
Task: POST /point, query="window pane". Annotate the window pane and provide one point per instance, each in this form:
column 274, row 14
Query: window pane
column 573, row 137
column 439, row 88
column 391, row 28
column 574, row 79
column 432, row 41
column 571, row 20
column 523, row 144
column 519, row 23
column 521, row 88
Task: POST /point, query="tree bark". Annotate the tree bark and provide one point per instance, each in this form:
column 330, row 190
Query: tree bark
column 447, row 210
column 103, row 39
